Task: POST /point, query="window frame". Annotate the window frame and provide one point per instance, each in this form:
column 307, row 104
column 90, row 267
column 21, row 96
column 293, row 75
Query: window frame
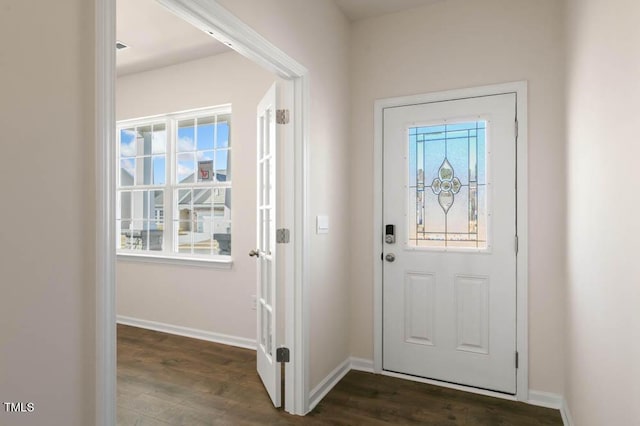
column 170, row 188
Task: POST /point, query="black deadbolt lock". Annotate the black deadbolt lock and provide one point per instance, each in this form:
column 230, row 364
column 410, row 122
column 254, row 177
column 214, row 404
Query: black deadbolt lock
column 390, row 234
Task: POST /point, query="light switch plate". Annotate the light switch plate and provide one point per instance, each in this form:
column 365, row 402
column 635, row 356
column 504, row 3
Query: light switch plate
column 322, row 224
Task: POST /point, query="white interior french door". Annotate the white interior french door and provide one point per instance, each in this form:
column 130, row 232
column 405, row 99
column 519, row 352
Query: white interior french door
column 266, row 293
column 449, row 268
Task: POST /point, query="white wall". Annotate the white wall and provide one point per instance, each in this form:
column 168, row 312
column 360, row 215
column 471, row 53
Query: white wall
column 603, row 294
column 212, row 300
column 456, row 44
column 316, row 34
column 47, row 270
column 47, row 306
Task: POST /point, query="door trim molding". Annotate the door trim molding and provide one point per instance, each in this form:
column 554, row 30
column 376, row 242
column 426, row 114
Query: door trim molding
column 520, row 89
column 105, row 248
column 210, row 16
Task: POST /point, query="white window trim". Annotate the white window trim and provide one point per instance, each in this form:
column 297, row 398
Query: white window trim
column 168, row 255
column 214, row 262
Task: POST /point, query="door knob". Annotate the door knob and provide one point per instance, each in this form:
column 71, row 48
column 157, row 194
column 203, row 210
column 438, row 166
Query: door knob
column 254, row 253
column 390, row 257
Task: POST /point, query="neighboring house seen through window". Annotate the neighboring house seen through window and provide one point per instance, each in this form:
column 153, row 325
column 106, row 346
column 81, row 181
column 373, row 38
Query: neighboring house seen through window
column 174, row 184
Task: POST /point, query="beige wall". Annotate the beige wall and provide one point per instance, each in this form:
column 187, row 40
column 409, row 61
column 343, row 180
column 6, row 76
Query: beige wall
column 316, row 34
column 456, row 44
column 47, row 295
column 212, row 300
column 603, row 293
column 47, row 305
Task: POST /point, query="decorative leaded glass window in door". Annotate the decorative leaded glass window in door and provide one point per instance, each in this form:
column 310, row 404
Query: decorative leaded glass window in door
column 448, row 185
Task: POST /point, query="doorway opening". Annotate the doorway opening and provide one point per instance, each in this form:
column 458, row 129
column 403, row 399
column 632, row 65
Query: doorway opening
column 219, row 23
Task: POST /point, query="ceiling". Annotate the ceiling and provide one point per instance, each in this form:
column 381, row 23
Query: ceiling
column 362, row 9
column 157, row 38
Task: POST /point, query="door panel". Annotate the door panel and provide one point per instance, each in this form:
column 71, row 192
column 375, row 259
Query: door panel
column 449, row 296
column 419, row 308
column 472, row 314
column 266, row 297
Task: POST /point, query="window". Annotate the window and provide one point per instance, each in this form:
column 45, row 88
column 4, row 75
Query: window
column 174, row 185
column 447, row 185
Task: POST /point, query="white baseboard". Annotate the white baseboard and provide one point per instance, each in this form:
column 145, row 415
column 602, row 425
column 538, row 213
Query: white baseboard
column 551, row 400
column 567, row 420
column 332, row 379
column 362, row 364
column 545, row 399
column 209, row 336
column 328, row 383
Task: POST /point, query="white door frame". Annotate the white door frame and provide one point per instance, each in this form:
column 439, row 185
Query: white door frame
column 210, row 16
column 520, row 89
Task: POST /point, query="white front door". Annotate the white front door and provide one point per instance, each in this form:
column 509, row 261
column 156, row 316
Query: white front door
column 449, row 278
column 266, row 293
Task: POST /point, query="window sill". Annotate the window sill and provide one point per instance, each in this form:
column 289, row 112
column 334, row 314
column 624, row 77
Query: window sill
column 220, row 262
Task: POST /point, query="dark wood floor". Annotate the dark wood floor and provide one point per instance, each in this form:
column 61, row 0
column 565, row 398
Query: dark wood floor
column 171, row 380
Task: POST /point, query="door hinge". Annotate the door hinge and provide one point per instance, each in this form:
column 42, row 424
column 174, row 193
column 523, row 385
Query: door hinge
column 516, row 130
column 516, row 244
column 282, row 354
column 516, row 359
column 282, row 116
column 283, row 236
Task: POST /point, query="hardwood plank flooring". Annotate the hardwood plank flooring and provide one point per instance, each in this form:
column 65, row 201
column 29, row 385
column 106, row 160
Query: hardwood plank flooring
column 171, row 380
